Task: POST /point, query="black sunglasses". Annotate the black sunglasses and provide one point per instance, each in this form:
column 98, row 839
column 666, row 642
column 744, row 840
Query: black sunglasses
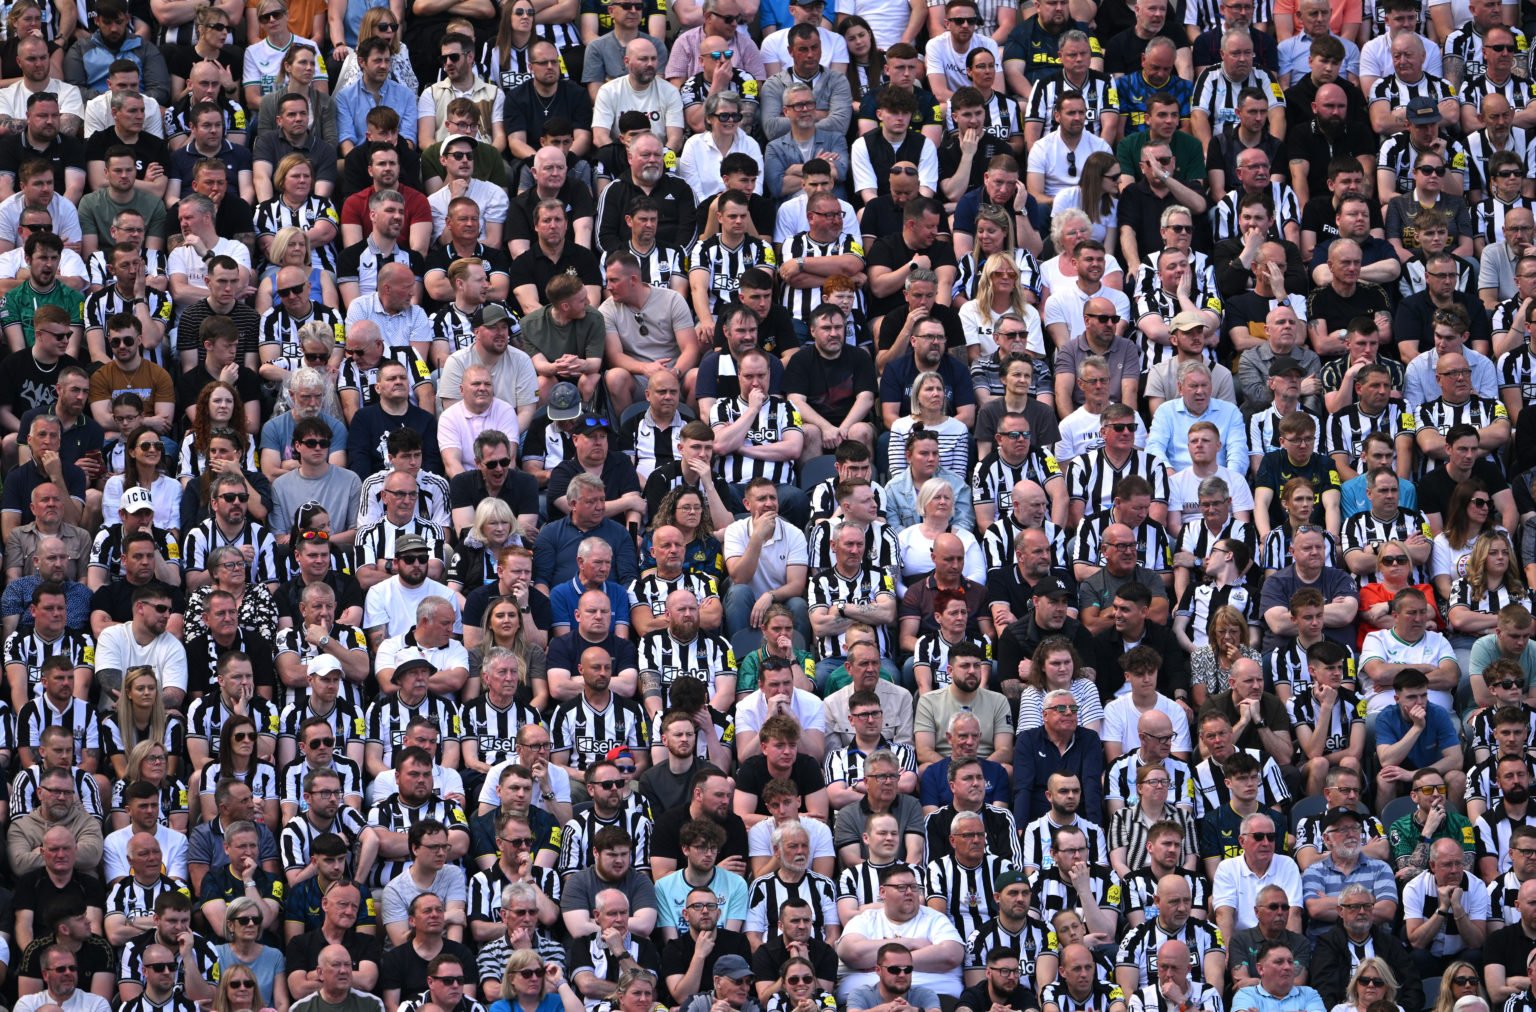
column 291, row 290
column 236, row 496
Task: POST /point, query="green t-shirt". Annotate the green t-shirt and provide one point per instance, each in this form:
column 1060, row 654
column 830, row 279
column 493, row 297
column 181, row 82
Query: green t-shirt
column 746, row 672
column 22, row 302
column 98, row 209
column 1404, row 834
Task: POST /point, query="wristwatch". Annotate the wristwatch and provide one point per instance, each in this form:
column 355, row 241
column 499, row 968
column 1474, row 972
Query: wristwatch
column 325, row 641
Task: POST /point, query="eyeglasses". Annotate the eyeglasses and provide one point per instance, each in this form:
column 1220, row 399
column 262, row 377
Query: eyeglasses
column 726, row 54
column 159, row 967
column 1394, row 560
column 231, row 497
column 866, row 714
column 522, row 911
column 291, row 290
column 1179, row 229
column 1431, row 788
column 314, row 536
column 903, row 170
column 64, row 969
column 1063, row 708
column 904, row 887
column 883, row 778
column 1431, row 170
column 1161, row 739
column 802, row 107
column 312, row 443
column 1118, row 545
column 703, row 906
column 1456, row 373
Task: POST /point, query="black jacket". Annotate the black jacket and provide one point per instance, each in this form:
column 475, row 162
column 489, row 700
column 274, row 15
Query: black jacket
column 1107, row 650
column 1329, row 972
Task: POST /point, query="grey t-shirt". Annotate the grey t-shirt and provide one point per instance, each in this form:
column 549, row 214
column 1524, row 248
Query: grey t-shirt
column 337, row 490
column 449, row 886
column 869, row 997
column 850, row 821
column 579, row 891
column 604, row 59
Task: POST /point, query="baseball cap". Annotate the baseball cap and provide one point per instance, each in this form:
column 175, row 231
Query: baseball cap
column 324, row 664
column 1282, row 365
column 619, row 752
column 453, row 139
column 136, row 499
column 1052, row 587
column 1339, row 814
column 1187, row 320
column 490, row 315
column 1423, row 110
column 564, row 402
column 411, row 543
column 732, row 967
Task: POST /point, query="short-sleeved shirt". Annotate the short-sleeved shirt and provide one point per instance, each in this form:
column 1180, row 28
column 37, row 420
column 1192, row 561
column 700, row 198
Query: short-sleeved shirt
column 1439, row 734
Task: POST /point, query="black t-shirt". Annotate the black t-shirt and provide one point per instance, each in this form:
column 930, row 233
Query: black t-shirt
column 25, row 385
column 116, row 599
column 479, row 599
column 1436, row 486
column 536, row 269
column 304, row 950
column 354, row 169
column 179, row 60
column 520, row 491
column 664, row 835
column 247, row 385
column 565, row 651
column 1143, row 210
column 347, row 590
column 619, row 479
column 752, row 776
column 36, row 892
column 679, row 953
column 882, row 216
column 979, row 997
column 895, row 319
column 1508, row 947
column 768, row 962
column 148, row 148
column 578, row 204
column 405, row 971
column 1336, row 311
column 949, row 157
column 95, row 956
column 65, row 153
column 831, row 387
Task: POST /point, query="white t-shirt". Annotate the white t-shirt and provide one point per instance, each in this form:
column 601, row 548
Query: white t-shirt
column 927, row 924
column 786, row 548
column 979, row 333
column 117, row 650
column 559, row 783
column 98, row 115
column 1474, row 899
column 492, row 200
column 1080, row 435
column 186, row 260
column 1121, row 716
column 760, row 839
column 392, row 605
column 14, row 261
column 940, row 57
column 1049, row 158
column 809, row 711
column 13, row 100
column 264, row 62
column 1184, row 491
column 173, row 852
column 1238, row 887
column 445, row 783
column 1376, row 55
column 662, row 102
column 451, row 656
column 775, row 47
column 1384, row 645
column 791, row 219
column 1052, row 278
column 1066, row 306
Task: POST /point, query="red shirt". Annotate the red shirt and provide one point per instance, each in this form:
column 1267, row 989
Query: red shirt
column 355, row 210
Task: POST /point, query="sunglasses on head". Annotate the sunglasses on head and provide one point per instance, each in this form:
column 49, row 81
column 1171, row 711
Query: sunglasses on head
column 314, row 536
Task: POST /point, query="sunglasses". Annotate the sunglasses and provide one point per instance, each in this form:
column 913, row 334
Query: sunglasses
column 247, row 921
column 322, row 357
column 291, row 290
column 530, row 974
column 904, row 170
column 496, row 465
column 798, row 981
column 519, row 842
column 1498, row 49
column 1181, row 229
column 1263, row 837
column 159, row 967
column 452, row 57
column 1508, row 683
column 415, row 559
column 1121, row 426
column 218, row 26
column 609, row 785
column 1103, row 317
column 1480, row 500
column 161, row 609
column 975, row 22
column 236, row 497
column 726, row 54
column 322, row 743
column 1464, row 981
column 314, row 536
column 1394, row 560
column 313, row 444
column 272, row 16
column 1370, row 982
column 1509, row 173
column 1433, row 170
column 130, row 341
column 386, row 26
column 453, row 978
column 900, row 971
column 728, row 117
column 146, row 447
column 244, row 736
column 458, row 155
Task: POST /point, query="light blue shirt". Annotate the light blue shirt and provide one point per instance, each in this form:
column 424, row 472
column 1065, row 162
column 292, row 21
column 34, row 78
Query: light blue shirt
column 1353, row 498
column 354, row 103
column 1421, row 385
column 901, row 501
column 1295, row 55
column 1301, row 999
column 730, row 891
column 1168, row 437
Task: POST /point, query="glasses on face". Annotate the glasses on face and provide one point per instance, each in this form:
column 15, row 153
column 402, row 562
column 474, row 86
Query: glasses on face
column 1015, row 434
column 272, row 16
column 800, row 981
column 1431, row 789
column 291, row 290
column 453, row 978
column 728, row 117
column 1119, row 546
column 1394, row 560
column 609, row 785
column 386, row 26
column 312, row 443
column 904, row 887
column 1456, row 373
column 1499, row 49
column 317, row 357
column 973, row 22
column 1509, row 174
column 1263, row 837
column 518, row 843
column 1063, row 708
column 1508, row 683
column 154, row 447
column 1370, row 982
column 899, row 971
column 1464, row 980
column 726, row 54
column 532, row 973
column 1431, row 170
column 452, row 57
column 703, row 906
column 322, row 743
column 159, row 967
column 801, row 107
column 129, row 341
column 414, row 559
column 1103, row 317
column 458, row 156
column 233, row 497
column 1480, row 500
column 903, row 170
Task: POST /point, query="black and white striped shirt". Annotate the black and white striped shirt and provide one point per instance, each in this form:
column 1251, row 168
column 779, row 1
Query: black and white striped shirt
column 1491, row 601
column 207, row 536
column 1309, row 832
column 291, row 778
column 454, row 327
column 652, row 590
column 278, row 327
column 665, row 659
column 1517, row 369
column 881, row 549
column 486, row 886
column 204, row 955
column 1036, row 842
column 99, row 273
column 262, row 779
column 364, row 380
column 107, row 549
column 1397, row 93
column 396, row 816
column 774, row 419
column 1053, row 894
column 131, row 898
column 298, row 834
column 768, row 893
column 1280, row 199
column 1345, row 431
column 1480, row 148
column 801, row 301
column 724, row 266
column 28, row 648
column 1211, row 787
column 432, row 499
column 649, row 445
column 992, row 479
column 932, row 651
column 966, row 275
column 1138, row 949
column 389, row 716
column 1216, row 94
column 997, row 544
column 174, row 799
column 1152, row 999
column 274, row 215
column 968, row 892
column 1165, row 306
column 1264, row 428
column 345, row 719
column 657, row 267
column 77, row 717
column 1202, row 273
column 1130, row 829
column 824, row 498
column 1441, row 416
column 114, row 741
column 24, row 792
column 861, row 883
column 1276, row 553
column 1480, row 728
column 1397, row 154
column 1348, row 711
column 1196, row 538
column 828, row 588
column 1474, row 89
column 1098, row 92
column 1154, row 550
column 846, row 765
column 1365, row 532
column 1029, row 943
column 109, row 302
column 588, row 733
column 577, row 835
column 1488, row 216
column 376, row 542
column 1202, row 600
column 1288, row 666
column 291, row 640
column 1092, row 478
column 1120, row 783
column 494, row 730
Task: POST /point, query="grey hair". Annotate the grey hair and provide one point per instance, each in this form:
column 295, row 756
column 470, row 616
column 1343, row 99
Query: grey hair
column 589, row 545
column 217, row 556
column 583, row 483
column 785, row 829
column 48, row 418
column 1062, row 220
column 494, row 654
column 714, row 102
column 518, row 891
column 1356, row 889
column 918, row 274
column 1248, row 821
column 1215, row 486
column 931, row 487
column 1075, row 35
column 1174, row 211
column 1411, row 36
column 1057, row 694
column 317, row 330
column 1161, row 42
column 882, row 757
column 427, row 605
column 382, row 197
column 1191, row 368
column 846, row 525
column 1092, row 362
column 966, row 817
column 240, row 905
column 958, row 717
column 798, row 86
column 120, row 98
column 309, row 379
column 236, row 828
column 1235, row 34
